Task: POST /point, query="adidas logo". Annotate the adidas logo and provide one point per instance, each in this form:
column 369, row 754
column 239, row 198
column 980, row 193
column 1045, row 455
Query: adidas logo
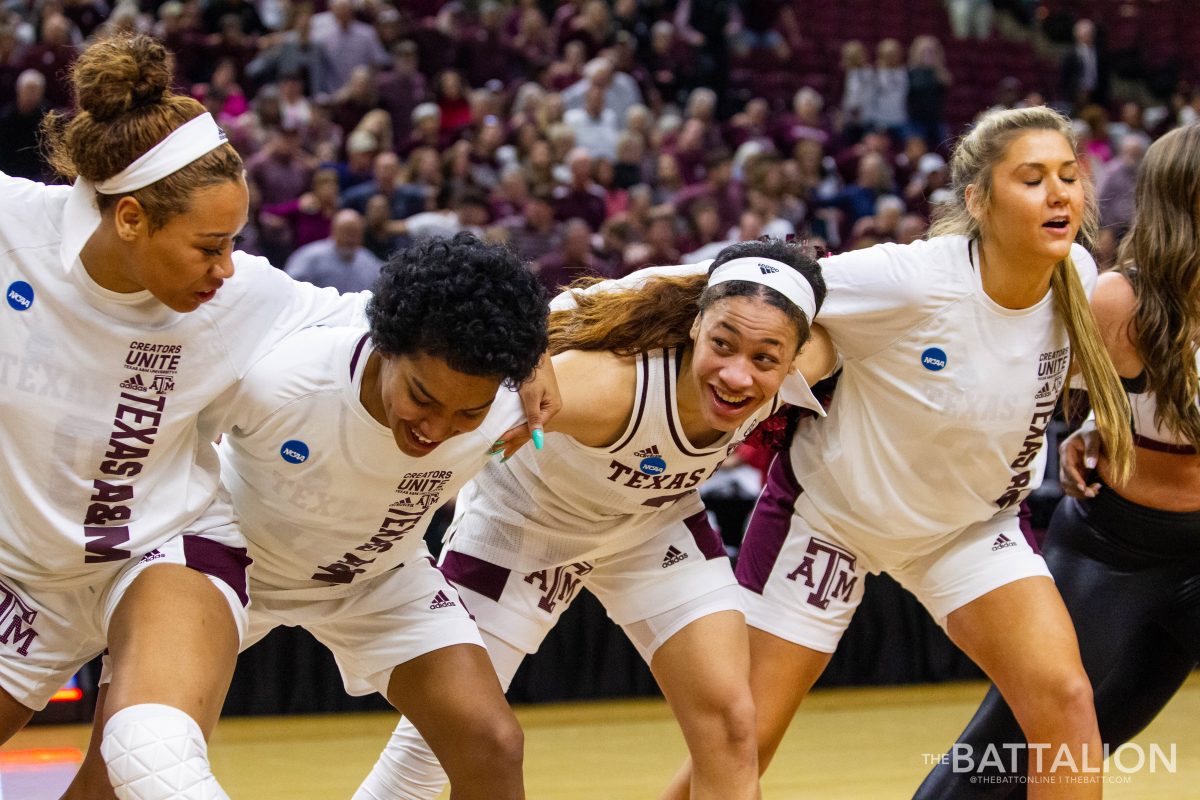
column 649, row 451
column 440, row 600
column 134, row 383
column 674, row 556
column 767, row 269
column 1044, row 392
column 1002, row 541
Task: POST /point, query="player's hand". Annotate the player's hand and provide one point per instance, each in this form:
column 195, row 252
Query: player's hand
column 542, row 400
column 1078, row 455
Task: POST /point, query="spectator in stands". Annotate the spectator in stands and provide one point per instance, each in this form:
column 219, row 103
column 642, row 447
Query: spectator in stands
column 533, row 42
column 718, row 186
column 1115, row 186
column 52, row 55
column 749, row 228
column 1084, row 76
column 928, row 83
column 882, row 226
column 508, row 198
column 703, row 226
column 377, row 236
column 346, row 43
column 890, row 107
column 388, row 179
column 658, row 243
column 308, row 218
column 807, row 120
column 401, row 89
column 451, row 97
column 666, row 63
column 572, row 260
column 340, row 261
column 858, row 90
column 215, row 11
column 765, row 27
column 668, row 178
column 971, row 18
column 620, row 90
column 580, row 197
column 534, row 233
column 752, row 123
column 596, row 127
column 282, row 170
column 20, row 121
column 467, row 211
column 426, row 129
column 294, row 53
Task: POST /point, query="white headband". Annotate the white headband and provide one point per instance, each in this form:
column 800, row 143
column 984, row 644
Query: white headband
column 182, row 146
column 769, row 272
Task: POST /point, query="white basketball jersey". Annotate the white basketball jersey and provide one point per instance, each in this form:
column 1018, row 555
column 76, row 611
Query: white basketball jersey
column 106, row 451
column 940, row 416
column 570, row 502
column 326, row 499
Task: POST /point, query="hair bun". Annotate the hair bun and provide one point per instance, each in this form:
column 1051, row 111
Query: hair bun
column 121, row 74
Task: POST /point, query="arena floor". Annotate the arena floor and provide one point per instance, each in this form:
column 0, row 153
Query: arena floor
column 846, row 744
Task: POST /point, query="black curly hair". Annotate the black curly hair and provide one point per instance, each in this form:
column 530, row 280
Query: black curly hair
column 471, row 303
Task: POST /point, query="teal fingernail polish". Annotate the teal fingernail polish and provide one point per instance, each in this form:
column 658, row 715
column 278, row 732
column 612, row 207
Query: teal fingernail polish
column 506, row 458
column 539, row 439
column 497, row 450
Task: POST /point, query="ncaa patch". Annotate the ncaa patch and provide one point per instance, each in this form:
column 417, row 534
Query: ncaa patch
column 19, row 295
column 653, row 466
column 294, row 451
column 934, row 359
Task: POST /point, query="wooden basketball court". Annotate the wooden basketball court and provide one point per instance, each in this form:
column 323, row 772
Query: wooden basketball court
column 846, row 744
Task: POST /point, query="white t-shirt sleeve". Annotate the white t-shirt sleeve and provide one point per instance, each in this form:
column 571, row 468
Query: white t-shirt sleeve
column 1085, row 265
column 566, row 300
column 873, row 296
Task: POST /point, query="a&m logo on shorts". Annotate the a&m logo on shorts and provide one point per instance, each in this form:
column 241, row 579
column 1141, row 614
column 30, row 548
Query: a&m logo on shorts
column 652, row 463
column 934, row 359
column 16, row 621
column 828, row 570
column 294, row 451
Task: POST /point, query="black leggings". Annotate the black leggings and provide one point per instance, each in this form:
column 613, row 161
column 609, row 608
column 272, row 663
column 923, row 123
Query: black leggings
column 1130, row 577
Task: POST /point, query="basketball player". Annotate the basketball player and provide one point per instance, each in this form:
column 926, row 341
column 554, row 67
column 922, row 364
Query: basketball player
column 955, row 351
column 662, row 376
column 125, row 321
column 1125, row 554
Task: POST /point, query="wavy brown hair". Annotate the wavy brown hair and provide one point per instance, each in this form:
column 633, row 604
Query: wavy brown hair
column 122, row 90
column 1159, row 257
column 660, row 312
column 974, row 157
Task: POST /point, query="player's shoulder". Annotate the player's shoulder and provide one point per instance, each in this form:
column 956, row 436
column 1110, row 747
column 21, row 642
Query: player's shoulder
column 308, row 361
column 30, row 211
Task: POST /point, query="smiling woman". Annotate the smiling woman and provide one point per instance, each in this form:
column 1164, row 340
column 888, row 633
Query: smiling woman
column 662, row 375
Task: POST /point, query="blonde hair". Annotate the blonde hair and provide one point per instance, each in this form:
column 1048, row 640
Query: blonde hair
column 974, row 158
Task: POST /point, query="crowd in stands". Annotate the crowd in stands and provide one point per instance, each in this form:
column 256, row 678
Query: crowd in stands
column 593, row 136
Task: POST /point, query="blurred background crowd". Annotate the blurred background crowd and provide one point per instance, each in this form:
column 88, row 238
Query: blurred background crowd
column 599, row 136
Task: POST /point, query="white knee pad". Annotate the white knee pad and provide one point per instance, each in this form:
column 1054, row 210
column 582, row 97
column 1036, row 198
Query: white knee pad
column 157, row 752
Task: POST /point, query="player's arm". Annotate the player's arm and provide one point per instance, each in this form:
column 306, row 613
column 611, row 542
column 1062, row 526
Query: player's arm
column 597, row 396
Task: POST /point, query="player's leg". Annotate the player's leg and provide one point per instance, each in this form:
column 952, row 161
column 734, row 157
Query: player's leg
column 173, row 640
column 996, row 600
column 513, row 617
column 408, row 768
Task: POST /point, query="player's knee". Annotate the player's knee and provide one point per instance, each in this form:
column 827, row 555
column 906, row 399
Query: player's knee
column 731, row 729
column 157, row 752
column 1065, row 705
column 503, row 741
